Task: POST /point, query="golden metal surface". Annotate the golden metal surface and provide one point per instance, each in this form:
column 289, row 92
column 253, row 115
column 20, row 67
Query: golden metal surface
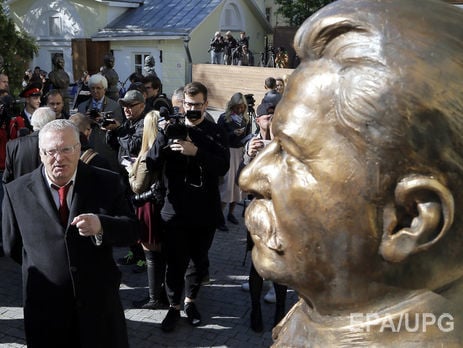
column 359, row 197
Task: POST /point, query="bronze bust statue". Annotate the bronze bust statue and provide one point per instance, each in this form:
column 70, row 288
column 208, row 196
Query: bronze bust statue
column 59, row 78
column 111, row 76
column 358, row 198
column 148, row 68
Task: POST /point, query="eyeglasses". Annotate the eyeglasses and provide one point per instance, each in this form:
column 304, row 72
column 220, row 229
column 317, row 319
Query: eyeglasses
column 193, row 105
column 66, row 151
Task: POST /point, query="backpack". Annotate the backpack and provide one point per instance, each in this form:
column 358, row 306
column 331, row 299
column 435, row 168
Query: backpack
column 162, row 100
column 17, row 127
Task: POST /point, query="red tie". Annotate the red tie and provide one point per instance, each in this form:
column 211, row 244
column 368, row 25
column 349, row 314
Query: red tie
column 63, row 204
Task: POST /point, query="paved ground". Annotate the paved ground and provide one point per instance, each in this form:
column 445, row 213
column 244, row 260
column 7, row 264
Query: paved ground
column 225, row 308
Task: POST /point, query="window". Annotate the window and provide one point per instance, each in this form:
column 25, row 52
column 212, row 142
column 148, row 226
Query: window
column 54, row 26
column 232, row 17
column 140, row 61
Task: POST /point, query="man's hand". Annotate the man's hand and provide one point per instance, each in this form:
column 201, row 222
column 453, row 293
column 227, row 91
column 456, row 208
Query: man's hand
column 88, row 224
column 239, row 131
column 185, row 147
column 255, row 146
column 111, row 126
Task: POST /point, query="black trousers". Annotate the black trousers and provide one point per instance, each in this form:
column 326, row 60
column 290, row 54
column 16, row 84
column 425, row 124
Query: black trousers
column 187, row 247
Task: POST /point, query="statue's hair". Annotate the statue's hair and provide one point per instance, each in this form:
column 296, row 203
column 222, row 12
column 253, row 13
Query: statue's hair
column 398, row 94
column 398, row 88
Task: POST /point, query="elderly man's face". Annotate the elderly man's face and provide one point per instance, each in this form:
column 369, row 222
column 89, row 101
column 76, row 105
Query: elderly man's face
column 60, row 153
column 311, row 221
column 97, row 91
column 133, row 112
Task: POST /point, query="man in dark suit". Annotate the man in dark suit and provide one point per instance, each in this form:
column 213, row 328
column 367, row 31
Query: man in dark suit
column 70, row 280
column 22, row 154
column 95, row 107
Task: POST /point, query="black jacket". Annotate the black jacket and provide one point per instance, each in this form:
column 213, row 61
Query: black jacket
column 22, row 156
column 127, row 138
column 67, row 277
column 192, row 183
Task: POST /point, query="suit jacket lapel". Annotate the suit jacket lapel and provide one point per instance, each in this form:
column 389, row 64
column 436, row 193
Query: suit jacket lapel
column 81, row 192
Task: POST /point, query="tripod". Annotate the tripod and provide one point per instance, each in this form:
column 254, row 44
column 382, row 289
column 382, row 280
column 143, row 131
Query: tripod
column 270, row 63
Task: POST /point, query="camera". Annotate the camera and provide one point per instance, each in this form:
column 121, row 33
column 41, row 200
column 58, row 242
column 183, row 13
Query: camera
column 94, row 114
column 250, row 101
column 176, row 128
column 8, row 106
column 102, row 118
column 155, row 194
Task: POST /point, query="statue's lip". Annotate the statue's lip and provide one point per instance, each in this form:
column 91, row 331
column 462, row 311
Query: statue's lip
column 261, row 223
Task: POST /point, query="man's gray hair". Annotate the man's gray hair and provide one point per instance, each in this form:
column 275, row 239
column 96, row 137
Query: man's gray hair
column 41, row 117
column 58, row 125
column 96, row 79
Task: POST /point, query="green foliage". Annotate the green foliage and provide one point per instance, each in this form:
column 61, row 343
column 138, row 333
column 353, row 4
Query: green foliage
column 17, row 49
column 297, row 11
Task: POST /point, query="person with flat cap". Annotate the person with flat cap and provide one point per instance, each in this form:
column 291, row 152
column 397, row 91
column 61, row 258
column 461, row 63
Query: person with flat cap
column 126, row 138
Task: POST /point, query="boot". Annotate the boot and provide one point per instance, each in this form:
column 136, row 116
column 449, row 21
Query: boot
column 159, row 290
column 155, row 279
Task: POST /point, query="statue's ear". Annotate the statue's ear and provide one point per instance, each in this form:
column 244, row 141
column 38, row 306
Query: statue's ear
column 419, row 217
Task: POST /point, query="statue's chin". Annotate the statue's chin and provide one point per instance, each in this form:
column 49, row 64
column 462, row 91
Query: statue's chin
column 269, row 266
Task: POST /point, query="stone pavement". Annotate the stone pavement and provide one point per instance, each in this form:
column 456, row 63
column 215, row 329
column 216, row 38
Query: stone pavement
column 224, row 307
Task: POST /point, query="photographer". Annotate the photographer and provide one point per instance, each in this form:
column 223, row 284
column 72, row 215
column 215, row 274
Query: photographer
column 191, row 169
column 246, row 58
column 230, row 45
column 126, row 138
column 93, row 107
column 216, row 48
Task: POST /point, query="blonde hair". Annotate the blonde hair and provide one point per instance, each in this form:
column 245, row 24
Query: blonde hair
column 150, row 131
column 236, row 99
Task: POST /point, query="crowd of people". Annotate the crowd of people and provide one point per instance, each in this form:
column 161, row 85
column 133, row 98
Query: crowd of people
column 358, row 211
column 225, row 49
column 172, row 170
